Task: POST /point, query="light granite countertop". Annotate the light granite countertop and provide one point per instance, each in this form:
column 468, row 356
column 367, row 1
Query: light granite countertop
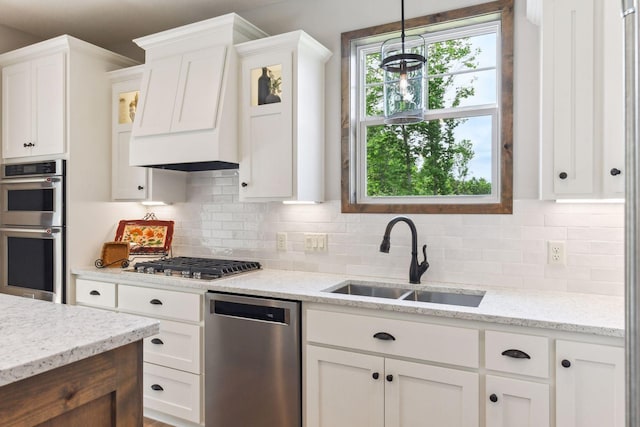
column 37, row 336
column 571, row 312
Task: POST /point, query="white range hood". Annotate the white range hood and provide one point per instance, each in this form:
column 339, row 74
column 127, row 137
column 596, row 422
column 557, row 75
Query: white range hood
column 187, row 114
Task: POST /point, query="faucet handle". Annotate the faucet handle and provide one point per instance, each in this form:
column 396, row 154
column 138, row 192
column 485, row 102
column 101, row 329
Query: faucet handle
column 424, row 264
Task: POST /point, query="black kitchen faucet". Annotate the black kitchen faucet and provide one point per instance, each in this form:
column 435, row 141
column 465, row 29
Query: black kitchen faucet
column 416, row 270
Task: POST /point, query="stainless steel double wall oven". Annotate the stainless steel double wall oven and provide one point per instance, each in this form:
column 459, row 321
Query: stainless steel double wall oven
column 32, row 230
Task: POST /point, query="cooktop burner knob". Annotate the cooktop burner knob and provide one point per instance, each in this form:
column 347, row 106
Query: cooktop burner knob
column 150, row 270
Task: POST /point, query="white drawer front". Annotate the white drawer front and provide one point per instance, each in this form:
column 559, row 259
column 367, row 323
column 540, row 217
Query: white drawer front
column 516, row 348
column 97, row 294
column 173, row 392
column 437, row 343
column 176, row 346
column 159, row 302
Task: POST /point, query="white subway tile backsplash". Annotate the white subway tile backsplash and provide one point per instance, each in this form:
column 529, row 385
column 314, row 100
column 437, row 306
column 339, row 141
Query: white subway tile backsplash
column 486, row 250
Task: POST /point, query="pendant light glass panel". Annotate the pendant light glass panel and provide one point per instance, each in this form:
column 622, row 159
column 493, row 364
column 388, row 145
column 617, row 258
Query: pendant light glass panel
column 403, row 64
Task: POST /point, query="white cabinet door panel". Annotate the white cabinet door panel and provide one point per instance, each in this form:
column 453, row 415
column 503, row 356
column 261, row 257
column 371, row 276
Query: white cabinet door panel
column 48, row 75
column 518, row 404
column 16, row 109
column 590, row 389
column 158, row 97
column 573, row 101
column 341, row 390
column 424, row 395
column 198, row 96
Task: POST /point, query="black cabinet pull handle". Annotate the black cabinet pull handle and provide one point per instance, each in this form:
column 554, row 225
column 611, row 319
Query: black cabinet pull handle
column 157, row 341
column 384, row 336
column 389, row 377
column 375, row 375
column 516, row 354
column 565, row 363
column 94, row 293
column 615, row 171
column 244, row 184
column 155, row 302
column 493, row 398
column 140, row 187
column 157, row 387
column 563, row 175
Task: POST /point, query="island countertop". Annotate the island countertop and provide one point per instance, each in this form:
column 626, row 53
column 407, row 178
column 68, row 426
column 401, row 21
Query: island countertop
column 38, row 336
column 563, row 311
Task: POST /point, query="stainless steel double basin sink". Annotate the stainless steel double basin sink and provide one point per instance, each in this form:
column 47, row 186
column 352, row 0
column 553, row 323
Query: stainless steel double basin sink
column 391, row 291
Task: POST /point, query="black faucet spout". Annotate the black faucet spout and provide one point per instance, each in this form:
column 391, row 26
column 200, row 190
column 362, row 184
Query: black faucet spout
column 416, row 269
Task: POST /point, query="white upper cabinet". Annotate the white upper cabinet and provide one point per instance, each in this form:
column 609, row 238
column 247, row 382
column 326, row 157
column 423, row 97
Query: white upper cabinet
column 582, row 133
column 282, row 118
column 33, row 95
column 187, row 115
column 132, row 183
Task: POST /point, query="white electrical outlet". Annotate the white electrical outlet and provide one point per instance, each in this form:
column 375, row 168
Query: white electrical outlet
column 556, row 253
column 281, row 241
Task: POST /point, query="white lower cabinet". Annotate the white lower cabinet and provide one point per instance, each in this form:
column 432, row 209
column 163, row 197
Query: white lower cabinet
column 173, row 368
column 370, row 381
column 346, row 388
column 516, row 403
column 589, row 385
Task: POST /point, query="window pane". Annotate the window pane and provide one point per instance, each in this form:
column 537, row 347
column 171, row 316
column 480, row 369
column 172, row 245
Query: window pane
column 461, row 90
column 434, row 158
column 373, row 79
column 453, row 81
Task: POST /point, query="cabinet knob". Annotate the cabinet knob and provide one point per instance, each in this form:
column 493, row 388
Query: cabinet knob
column 157, row 387
column 244, row 184
column 563, row 175
column 140, row 187
column 615, row 171
column 516, row 354
column 389, row 377
column 565, row 363
column 493, row 398
column 375, row 375
column 157, row 341
column 94, row 292
column 385, row 336
column 155, row 302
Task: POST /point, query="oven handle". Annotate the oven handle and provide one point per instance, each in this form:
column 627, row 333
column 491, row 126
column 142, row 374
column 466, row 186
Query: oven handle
column 30, row 230
column 46, row 180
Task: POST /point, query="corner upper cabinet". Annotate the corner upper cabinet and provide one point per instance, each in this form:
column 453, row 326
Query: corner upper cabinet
column 188, row 110
column 33, row 102
column 131, row 183
column 282, row 118
column 582, row 99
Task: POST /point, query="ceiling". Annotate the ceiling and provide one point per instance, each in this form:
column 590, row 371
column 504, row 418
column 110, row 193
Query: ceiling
column 112, row 22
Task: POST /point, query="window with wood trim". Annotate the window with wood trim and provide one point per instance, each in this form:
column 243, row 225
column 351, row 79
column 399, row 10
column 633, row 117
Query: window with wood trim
column 459, row 159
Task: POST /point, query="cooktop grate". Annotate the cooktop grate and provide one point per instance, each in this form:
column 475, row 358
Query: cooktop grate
column 204, row 268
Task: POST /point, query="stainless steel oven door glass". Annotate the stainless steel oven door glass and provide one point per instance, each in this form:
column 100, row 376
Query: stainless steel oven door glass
column 33, row 194
column 32, row 262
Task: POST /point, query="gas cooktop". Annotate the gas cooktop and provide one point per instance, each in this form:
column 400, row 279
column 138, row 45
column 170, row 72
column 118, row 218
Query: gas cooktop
column 196, row 268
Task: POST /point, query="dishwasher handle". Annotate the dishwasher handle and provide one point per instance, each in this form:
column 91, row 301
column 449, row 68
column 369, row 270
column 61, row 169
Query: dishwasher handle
column 251, row 311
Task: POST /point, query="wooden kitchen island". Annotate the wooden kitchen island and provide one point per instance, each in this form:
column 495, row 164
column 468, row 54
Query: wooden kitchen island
column 70, row 366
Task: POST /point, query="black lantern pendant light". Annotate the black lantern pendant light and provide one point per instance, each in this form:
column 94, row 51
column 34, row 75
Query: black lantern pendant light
column 403, row 62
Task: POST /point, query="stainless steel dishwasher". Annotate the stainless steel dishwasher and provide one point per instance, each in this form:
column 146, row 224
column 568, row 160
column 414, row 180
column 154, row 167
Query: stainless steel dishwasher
column 252, row 362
